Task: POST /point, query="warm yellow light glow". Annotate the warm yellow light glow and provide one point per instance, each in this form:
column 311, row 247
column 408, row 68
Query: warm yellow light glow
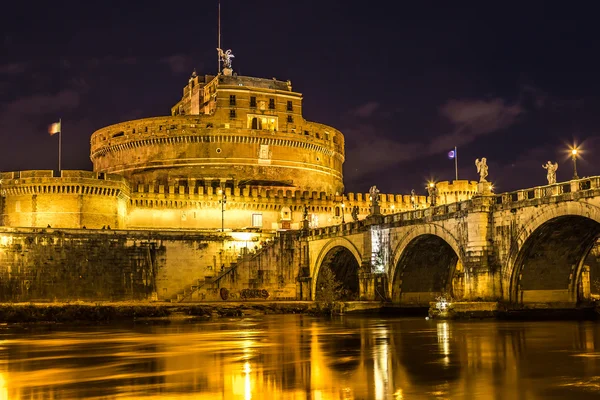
column 4, row 240
column 243, row 236
column 220, row 191
column 343, row 205
column 3, row 387
column 431, row 184
column 574, row 152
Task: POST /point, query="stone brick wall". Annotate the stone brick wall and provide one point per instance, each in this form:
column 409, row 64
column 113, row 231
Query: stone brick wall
column 93, row 265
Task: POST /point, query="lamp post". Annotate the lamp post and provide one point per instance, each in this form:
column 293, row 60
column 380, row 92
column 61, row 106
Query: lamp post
column 413, row 199
column 343, row 209
column 223, row 201
column 574, row 153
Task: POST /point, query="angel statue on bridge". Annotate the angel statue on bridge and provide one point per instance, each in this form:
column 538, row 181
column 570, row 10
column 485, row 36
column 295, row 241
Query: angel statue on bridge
column 482, row 168
column 551, row 176
column 225, row 57
column 374, row 192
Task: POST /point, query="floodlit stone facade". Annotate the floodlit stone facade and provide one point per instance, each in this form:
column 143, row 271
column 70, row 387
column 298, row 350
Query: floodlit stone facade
column 235, row 153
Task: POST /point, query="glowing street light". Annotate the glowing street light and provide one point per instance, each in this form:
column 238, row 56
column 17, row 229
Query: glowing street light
column 574, row 154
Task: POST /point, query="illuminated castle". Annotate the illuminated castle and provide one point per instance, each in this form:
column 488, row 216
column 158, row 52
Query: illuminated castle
column 236, row 152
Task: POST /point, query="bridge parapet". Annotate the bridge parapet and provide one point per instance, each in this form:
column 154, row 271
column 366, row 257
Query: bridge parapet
column 564, row 191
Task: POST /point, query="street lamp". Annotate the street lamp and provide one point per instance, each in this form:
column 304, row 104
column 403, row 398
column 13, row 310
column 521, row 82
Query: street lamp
column 343, row 209
column 574, row 154
column 223, row 201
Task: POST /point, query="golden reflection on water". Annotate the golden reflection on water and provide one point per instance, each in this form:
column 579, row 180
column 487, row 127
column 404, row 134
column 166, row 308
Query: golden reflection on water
column 301, row 357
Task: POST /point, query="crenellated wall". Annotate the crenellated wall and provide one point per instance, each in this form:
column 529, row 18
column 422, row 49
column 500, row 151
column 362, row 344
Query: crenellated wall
column 455, row 191
column 80, row 199
column 76, row 199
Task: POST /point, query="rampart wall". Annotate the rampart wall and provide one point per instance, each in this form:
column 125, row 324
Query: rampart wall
column 93, row 265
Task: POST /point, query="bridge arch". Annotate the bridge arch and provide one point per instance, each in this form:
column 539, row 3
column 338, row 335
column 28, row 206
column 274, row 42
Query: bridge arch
column 429, row 244
column 338, row 251
column 547, row 256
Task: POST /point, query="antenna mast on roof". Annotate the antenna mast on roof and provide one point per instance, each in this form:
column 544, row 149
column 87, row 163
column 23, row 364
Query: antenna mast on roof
column 219, row 39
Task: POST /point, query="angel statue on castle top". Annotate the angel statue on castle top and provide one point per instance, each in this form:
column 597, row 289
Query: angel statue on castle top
column 225, row 57
column 482, row 168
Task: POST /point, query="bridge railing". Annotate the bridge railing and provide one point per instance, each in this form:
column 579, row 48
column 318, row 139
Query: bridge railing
column 557, row 189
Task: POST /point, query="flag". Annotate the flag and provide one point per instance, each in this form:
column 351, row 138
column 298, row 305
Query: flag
column 54, row 128
column 452, row 154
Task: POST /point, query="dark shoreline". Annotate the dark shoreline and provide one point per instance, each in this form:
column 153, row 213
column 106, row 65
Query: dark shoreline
column 109, row 312
column 83, row 312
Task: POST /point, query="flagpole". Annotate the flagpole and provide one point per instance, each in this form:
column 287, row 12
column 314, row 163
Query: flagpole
column 456, row 162
column 219, row 39
column 59, row 144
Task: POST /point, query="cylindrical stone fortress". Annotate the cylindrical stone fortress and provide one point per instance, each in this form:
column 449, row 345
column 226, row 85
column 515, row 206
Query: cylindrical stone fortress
column 243, row 132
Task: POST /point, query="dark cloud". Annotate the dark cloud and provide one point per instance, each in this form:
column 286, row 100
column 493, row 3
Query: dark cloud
column 473, row 118
column 178, row 63
column 365, row 110
column 375, row 150
column 13, row 68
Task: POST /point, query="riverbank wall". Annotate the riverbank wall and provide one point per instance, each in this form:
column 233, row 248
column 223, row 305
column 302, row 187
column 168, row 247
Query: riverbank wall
column 62, row 265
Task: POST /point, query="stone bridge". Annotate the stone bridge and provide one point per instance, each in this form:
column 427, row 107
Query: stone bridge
column 529, row 248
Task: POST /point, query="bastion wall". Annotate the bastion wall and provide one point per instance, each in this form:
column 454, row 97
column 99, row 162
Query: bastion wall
column 97, row 265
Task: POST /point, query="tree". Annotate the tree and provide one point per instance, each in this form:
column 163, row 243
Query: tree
column 329, row 289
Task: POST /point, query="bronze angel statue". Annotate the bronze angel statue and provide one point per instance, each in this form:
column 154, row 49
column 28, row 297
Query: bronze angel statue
column 225, row 57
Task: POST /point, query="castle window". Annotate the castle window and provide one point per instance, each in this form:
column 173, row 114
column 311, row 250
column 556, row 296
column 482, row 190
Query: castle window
column 271, row 104
column 256, row 123
column 231, row 113
column 306, row 133
column 252, row 101
column 290, row 118
column 257, row 220
column 289, row 106
column 317, row 135
column 232, row 100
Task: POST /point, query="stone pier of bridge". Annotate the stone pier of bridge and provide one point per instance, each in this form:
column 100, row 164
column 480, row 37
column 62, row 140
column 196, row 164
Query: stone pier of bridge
column 532, row 248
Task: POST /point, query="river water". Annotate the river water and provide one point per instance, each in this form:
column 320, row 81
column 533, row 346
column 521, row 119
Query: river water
column 303, row 357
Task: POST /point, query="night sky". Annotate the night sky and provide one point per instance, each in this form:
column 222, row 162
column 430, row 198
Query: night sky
column 404, row 82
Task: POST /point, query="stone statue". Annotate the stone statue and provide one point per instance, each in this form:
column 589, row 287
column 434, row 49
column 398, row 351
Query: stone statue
column 226, row 57
column 432, row 191
column 305, row 213
column 413, row 198
column 551, row 176
column 354, row 213
column 374, row 192
column 482, row 168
